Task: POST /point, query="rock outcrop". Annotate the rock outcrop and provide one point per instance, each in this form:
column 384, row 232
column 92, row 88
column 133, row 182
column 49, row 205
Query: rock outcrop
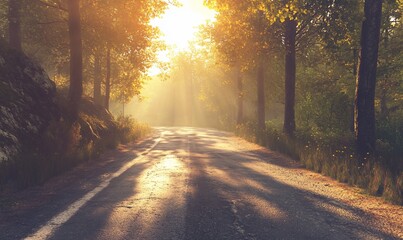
column 27, row 102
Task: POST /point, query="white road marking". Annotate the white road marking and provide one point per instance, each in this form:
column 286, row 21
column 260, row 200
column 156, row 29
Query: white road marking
column 50, row 227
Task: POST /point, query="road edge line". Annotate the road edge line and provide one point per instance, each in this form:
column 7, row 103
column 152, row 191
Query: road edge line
column 46, row 230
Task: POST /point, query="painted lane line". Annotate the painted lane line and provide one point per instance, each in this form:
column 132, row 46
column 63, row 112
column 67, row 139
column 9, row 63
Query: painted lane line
column 50, row 227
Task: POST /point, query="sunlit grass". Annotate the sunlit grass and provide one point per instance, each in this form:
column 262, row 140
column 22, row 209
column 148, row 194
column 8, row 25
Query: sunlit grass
column 334, row 155
column 131, row 130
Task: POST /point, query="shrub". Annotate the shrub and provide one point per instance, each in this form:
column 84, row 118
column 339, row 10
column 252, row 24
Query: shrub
column 131, row 130
column 247, row 130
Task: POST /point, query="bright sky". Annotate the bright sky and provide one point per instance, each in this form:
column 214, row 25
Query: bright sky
column 179, row 24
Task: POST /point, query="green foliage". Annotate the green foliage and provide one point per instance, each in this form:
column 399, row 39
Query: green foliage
column 325, row 91
column 122, row 25
column 390, row 141
column 332, row 113
column 327, row 56
column 247, row 130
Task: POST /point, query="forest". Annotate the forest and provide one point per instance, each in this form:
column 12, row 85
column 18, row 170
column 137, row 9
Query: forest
column 319, row 81
column 300, row 77
column 326, row 78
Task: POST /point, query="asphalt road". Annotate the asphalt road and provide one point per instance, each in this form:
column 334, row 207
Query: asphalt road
column 188, row 183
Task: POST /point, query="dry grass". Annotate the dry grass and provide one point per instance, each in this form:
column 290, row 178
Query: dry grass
column 131, row 130
column 334, row 155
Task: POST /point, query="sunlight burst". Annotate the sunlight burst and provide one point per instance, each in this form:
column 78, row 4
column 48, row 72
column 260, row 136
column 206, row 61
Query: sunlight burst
column 179, row 25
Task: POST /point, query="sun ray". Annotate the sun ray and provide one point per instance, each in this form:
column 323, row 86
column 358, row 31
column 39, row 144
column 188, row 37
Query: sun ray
column 179, row 24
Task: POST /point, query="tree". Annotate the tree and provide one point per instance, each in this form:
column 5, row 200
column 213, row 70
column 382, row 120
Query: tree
column 241, row 29
column 108, row 77
column 301, row 21
column 290, row 75
column 76, row 59
column 240, row 97
column 232, row 50
column 390, row 48
column 364, row 120
column 261, row 110
column 121, row 32
column 123, row 24
column 97, row 78
column 260, row 26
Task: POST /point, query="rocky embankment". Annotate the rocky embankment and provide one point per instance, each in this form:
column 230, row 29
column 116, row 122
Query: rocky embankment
column 27, row 103
column 37, row 138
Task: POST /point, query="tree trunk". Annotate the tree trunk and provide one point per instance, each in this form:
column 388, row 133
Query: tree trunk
column 240, row 96
column 108, row 78
column 260, row 99
column 384, row 104
column 189, row 94
column 355, row 67
column 364, row 113
column 290, row 67
column 14, row 24
column 123, row 108
column 384, row 89
column 355, row 50
column 76, row 60
column 97, row 79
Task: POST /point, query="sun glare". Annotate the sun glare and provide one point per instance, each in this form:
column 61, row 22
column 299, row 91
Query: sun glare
column 179, row 23
column 179, row 26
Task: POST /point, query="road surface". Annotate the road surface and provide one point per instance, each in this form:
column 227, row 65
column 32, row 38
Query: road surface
column 190, row 183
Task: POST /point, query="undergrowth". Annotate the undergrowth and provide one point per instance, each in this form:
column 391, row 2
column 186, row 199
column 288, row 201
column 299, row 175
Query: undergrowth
column 65, row 144
column 131, row 130
column 333, row 154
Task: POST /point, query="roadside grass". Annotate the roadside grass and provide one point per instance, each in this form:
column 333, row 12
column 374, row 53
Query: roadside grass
column 131, row 130
column 333, row 154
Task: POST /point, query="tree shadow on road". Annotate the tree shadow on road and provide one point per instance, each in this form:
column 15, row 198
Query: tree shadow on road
column 35, row 206
column 253, row 204
column 134, row 205
column 231, row 195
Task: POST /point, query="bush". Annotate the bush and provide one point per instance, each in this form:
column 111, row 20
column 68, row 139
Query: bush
column 247, row 131
column 131, row 130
